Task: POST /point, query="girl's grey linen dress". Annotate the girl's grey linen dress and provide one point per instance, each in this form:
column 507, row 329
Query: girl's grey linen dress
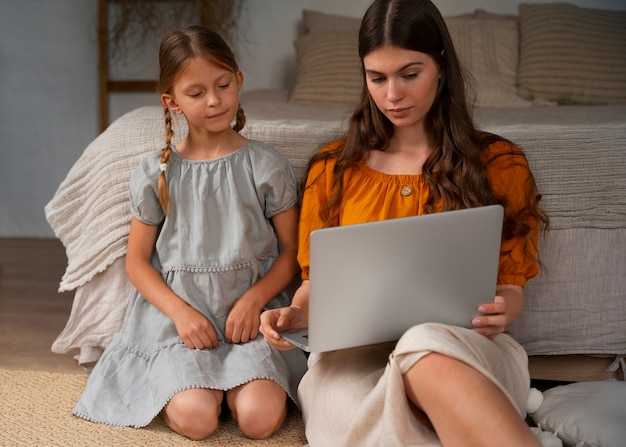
column 216, row 242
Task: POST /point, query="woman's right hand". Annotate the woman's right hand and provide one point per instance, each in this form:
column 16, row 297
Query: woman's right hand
column 195, row 329
column 275, row 320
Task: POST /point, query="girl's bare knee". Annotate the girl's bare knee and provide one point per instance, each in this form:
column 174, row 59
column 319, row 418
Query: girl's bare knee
column 194, row 413
column 259, row 407
column 261, row 422
column 195, row 429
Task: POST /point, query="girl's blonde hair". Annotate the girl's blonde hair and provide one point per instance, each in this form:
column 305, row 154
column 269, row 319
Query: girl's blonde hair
column 177, row 48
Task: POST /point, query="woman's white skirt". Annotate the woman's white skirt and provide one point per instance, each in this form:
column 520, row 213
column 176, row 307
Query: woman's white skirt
column 356, row 397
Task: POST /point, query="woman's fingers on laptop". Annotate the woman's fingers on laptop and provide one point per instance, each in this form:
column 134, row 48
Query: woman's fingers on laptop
column 268, row 326
column 274, row 321
column 493, row 320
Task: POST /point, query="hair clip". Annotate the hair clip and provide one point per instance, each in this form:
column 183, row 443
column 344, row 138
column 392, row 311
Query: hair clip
column 163, row 167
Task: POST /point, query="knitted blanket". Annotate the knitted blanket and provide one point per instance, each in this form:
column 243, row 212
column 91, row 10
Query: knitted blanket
column 90, row 211
column 580, row 171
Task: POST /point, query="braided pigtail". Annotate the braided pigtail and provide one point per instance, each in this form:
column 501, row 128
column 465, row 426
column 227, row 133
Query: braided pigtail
column 240, row 120
column 163, row 189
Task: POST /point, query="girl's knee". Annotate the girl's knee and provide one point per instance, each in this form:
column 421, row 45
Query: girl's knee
column 195, row 429
column 194, row 413
column 261, row 422
column 259, row 407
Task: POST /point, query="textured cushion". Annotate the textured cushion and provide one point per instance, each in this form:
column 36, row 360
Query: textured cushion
column 488, row 48
column 585, row 413
column 486, row 43
column 329, row 69
column 321, row 22
column 570, row 54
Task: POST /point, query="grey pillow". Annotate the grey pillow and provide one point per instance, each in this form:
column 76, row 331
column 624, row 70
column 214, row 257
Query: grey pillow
column 570, row 54
column 585, row 413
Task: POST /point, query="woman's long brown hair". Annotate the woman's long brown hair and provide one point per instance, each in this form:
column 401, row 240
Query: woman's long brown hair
column 455, row 171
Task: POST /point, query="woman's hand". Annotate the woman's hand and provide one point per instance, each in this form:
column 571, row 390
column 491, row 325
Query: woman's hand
column 195, row 329
column 275, row 320
column 497, row 316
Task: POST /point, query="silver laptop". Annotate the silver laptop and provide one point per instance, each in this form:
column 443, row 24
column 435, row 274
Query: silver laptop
column 371, row 282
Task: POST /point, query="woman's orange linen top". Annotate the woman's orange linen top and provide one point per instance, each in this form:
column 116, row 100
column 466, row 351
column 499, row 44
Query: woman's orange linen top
column 371, row 195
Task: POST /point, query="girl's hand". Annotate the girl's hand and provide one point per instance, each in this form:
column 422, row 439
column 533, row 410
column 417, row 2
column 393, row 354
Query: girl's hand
column 242, row 324
column 196, row 330
column 275, row 320
column 243, row 320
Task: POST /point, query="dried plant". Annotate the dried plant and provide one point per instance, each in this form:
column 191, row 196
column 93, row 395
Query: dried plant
column 134, row 22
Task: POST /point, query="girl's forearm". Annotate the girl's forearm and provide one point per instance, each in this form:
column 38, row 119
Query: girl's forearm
column 153, row 288
column 278, row 277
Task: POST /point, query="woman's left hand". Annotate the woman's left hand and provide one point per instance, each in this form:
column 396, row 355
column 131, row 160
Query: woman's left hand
column 493, row 320
column 497, row 316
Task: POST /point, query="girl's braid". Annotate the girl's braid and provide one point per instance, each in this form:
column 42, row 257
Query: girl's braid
column 240, row 120
column 163, row 190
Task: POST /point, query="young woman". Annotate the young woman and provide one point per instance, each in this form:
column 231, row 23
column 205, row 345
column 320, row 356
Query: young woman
column 209, row 216
column 412, row 148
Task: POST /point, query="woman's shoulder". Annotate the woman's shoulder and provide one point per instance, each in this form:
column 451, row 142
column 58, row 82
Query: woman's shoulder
column 327, row 154
column 500, row 152
column 495, row 145
column 334, row 146
column 506, row 166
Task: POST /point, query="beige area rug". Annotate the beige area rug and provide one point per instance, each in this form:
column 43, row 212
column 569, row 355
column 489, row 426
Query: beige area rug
column 35, row 410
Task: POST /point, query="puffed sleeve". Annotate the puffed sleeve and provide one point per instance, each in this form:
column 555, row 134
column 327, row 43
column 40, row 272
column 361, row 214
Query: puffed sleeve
column 275, row 181
column 317, row 193
column 510, row 179
column 144, row 199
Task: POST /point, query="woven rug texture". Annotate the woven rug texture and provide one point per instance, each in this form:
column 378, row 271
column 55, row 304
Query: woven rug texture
column 35, row 410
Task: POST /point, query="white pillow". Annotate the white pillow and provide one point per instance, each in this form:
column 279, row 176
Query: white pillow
column 589, row 414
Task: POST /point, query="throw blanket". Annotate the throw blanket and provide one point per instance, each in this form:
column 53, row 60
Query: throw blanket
column 90, row 212
column 579, row 171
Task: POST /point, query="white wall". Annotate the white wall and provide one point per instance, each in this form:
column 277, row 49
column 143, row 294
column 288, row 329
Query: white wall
column 49, row 93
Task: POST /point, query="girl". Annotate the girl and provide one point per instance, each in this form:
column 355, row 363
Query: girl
column 209, row 216
column 412, row 148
